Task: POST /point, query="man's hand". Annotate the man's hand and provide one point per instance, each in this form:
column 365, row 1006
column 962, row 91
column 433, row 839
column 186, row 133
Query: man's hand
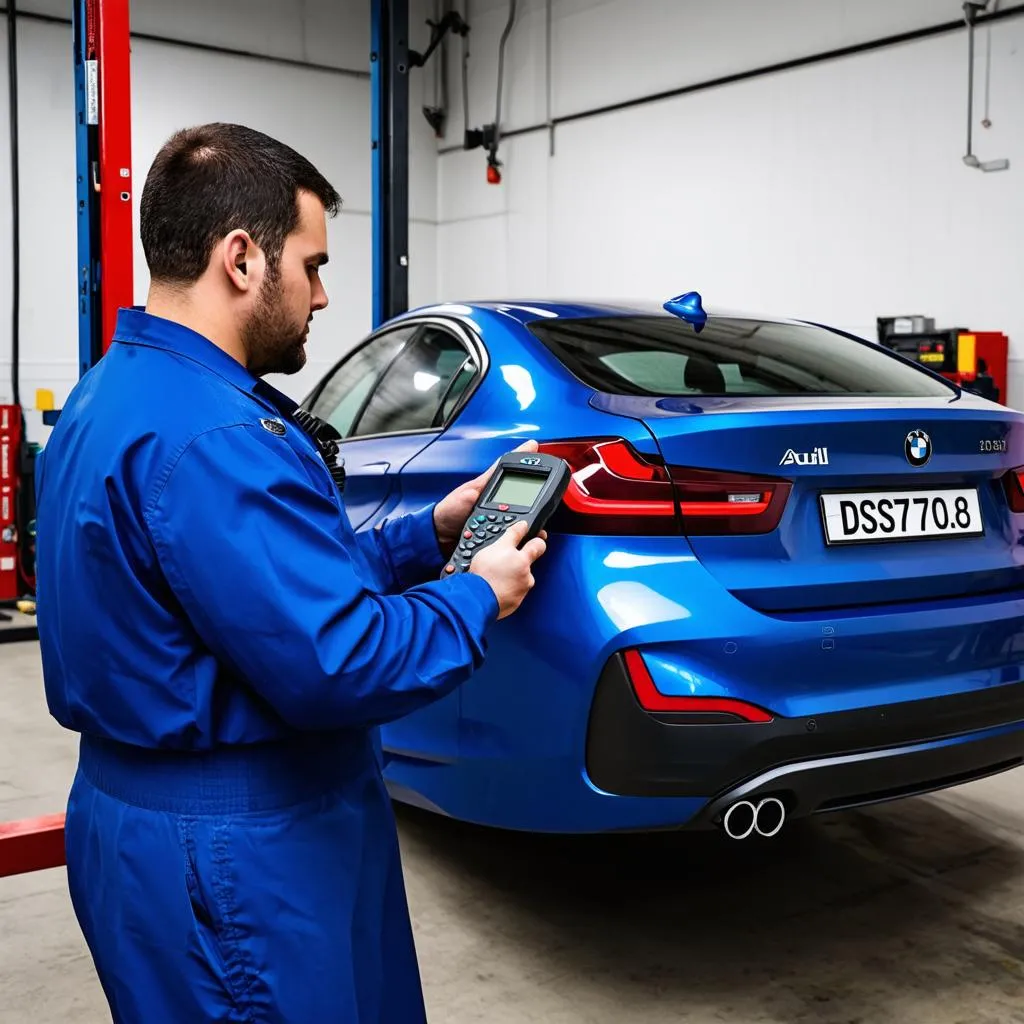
column 508, row 569
column 451, row 512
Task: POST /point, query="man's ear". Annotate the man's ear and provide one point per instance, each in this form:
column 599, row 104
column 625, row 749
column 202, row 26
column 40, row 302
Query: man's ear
column 242, row 259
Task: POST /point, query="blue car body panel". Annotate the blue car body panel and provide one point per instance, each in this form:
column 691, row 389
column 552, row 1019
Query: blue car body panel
column 781, row 620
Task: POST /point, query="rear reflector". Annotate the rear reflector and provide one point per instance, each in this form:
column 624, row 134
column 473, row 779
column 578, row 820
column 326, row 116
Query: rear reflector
column 652, row 699
column 615, row 489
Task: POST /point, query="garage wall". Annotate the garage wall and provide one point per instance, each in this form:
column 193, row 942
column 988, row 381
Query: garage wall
column 835, row 191
column 322, row 110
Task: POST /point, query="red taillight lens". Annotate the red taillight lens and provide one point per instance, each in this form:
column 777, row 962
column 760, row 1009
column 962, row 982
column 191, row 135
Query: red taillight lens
column 652, row 699
column 728, row 503
column 1013, row 484
column 615, row 489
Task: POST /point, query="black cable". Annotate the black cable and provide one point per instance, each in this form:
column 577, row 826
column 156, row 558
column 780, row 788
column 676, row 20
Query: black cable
column 501, row 71
column 439, row 64
column 442, row 70
column 24, row 501
column 465, row 76
column 12, row 92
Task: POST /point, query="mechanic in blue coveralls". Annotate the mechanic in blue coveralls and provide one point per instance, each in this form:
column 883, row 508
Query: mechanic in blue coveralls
column 223, row 641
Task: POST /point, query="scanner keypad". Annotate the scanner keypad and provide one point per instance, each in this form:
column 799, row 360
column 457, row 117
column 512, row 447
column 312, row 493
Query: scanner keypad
column 481, row 530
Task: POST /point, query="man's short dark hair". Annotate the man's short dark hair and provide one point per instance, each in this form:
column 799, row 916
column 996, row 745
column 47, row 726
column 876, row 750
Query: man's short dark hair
column 213, row 179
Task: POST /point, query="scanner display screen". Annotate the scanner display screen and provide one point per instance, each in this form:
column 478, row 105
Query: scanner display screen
column 518, row 489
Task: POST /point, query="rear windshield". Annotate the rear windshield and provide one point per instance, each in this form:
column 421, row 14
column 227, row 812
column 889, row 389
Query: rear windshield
column 662, row 355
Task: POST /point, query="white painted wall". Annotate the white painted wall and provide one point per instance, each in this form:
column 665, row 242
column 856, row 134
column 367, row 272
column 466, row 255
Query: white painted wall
column 833, row 192
column 323, row 114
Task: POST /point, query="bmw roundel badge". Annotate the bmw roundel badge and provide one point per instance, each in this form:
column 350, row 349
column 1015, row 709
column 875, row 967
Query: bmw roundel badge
column 918, row 448
column 274, row 426
column 530, row 460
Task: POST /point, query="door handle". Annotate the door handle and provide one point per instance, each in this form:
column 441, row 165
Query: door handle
column 373, row 468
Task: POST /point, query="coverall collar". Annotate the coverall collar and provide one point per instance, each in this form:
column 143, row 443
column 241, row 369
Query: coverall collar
column 137, row 327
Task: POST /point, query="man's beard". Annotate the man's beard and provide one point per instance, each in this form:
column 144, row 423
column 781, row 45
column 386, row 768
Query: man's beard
column 273, row 343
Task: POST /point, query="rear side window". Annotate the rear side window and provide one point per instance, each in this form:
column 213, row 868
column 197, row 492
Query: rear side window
column 665, row 356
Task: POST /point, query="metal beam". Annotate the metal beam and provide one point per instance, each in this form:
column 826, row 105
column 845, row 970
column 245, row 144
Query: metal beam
column 389, row 98
column 32, row 845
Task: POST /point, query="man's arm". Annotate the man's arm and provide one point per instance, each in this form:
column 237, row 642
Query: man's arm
column 414, row 548
column 253, row 551
column 407, row 546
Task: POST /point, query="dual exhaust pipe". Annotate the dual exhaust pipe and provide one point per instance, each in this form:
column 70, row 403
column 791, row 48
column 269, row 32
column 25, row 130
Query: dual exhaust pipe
column 743, row 818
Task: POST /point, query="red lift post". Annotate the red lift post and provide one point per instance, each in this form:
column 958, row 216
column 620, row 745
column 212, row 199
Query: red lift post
column 105, row 248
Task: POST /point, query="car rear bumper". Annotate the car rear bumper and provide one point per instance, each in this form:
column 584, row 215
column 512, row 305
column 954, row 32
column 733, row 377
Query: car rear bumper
column 828, row 762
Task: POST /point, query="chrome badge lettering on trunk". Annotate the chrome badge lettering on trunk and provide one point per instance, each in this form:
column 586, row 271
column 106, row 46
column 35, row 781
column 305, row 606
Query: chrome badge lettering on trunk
column 817, row 457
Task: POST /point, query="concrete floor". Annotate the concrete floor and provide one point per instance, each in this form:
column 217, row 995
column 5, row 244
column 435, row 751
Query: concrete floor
column 908, row 914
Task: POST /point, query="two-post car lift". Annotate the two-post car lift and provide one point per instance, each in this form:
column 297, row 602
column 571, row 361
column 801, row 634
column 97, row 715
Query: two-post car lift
column 102, row 63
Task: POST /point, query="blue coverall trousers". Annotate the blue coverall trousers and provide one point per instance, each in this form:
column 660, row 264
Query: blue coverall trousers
column 258, row 884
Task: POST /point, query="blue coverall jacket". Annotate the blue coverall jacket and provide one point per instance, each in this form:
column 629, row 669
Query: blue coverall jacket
column 226, row 644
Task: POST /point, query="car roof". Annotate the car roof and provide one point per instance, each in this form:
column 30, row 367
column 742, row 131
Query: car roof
column 529, row 310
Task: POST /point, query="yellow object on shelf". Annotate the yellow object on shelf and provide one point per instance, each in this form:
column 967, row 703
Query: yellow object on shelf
column 965, row 349
column 44, row 400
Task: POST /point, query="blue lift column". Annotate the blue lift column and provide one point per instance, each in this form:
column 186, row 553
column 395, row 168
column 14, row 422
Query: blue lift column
column 389, row 97
column 102, row 64
column 87, row 157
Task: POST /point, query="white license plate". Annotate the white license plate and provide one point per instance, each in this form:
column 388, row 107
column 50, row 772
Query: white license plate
column 873, row 516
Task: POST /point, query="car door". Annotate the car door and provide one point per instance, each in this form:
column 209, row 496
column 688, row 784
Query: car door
column 417, row 397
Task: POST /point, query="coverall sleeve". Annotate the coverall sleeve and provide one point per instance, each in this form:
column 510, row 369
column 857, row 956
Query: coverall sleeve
column 259, row 558
column 408, row 548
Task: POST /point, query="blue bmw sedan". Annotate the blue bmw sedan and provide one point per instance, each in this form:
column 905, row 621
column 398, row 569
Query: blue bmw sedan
column 787, row 576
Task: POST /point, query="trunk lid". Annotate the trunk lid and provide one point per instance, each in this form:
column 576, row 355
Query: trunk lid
column 851, row 463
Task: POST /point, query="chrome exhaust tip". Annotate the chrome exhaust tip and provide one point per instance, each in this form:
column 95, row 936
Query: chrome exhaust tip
column 769, row 817
column 740, row 820
column 744, row 818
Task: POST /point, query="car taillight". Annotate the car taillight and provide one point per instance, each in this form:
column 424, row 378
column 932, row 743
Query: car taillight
column 652, row 699
column 728, row 503
column 1013, row 484
column 615, row 489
